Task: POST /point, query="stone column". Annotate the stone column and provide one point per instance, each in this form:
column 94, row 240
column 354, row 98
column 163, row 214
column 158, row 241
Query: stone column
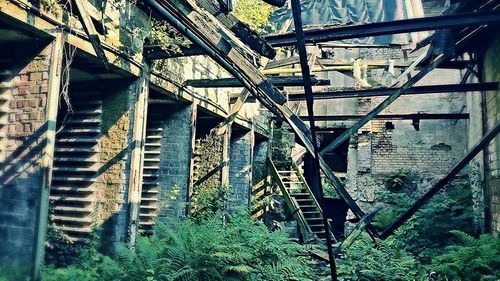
column 175, row 163
column 240, row 168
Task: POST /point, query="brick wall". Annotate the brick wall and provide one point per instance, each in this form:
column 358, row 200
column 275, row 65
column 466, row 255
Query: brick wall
column 113, row 173
column 240, row 168
column 175, row 161
column 20, row 175
column 492, row 100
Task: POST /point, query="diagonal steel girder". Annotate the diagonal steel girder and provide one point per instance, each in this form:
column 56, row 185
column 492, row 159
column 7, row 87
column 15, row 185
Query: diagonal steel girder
column 489, row 136
column 202, row 29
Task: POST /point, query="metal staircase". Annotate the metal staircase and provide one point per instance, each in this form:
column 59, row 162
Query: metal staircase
column 151, row 176
column 76, row 162
column 299, row 199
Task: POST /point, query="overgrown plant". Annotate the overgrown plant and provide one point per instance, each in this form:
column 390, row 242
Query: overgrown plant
column 427, row 233
column 52, row 7
column 397, row 180
column 470, row 259
column 386, row 260
column 166, row 37
column 254, row 13
column 209, row 249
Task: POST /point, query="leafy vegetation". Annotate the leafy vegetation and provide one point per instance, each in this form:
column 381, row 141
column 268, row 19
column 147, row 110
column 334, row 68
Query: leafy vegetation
column 386, row 260
column 52, row 7
column 166, row 37
column 471, row 259
column 254, row 13
column 427, row 233
column 211, row 249
column 395, row 181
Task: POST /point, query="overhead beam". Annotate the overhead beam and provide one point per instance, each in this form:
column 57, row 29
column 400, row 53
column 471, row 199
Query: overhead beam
column 331, row 33
column 456, row 64
column 417, row 90
column 159, row 54
column 277, row 81
column 441, row 183
column 413, row 116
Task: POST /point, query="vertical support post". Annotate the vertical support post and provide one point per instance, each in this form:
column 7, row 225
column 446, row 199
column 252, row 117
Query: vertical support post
column 299, row 33
column 194, row 114
column 250, row 179
column 47, row 154
column 137, row 155
column 225, row 156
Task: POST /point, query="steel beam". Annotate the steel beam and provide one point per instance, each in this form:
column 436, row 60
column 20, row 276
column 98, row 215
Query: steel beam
column 158, row 54
column 377, row 92
column 332, row 33
column 441, row 183
column 316, row 182
column 415, row 116
column 278, row 81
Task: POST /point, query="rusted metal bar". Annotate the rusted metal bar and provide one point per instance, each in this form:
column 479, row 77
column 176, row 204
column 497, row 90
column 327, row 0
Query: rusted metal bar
column 415, row 116
column 278, row 81
column 377, row 92
column 332, row 33
column 316, row 182
column 490, row 135
column 358, row 229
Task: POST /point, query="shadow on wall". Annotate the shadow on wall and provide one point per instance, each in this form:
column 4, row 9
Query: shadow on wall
column 20, row 181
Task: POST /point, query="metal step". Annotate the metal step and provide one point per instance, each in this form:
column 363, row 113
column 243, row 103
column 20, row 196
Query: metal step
column 72, row 189
column 70, row 130
column 73, row 229
column 73, row 209
column 89, row 159
column 75, row 169
column 71, row 198
column 83, row 220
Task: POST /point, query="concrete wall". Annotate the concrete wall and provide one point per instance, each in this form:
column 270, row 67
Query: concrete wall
column 20, row 171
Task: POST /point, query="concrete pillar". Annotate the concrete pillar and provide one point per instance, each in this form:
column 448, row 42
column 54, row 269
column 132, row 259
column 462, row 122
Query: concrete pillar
column 26, row 162
column 175, row 163
column 240, row 168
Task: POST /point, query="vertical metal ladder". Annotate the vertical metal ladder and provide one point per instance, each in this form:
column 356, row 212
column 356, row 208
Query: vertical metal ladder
column 299, row 199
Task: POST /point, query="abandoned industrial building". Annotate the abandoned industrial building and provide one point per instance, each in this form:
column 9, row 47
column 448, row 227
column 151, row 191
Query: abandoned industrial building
column 249, row 140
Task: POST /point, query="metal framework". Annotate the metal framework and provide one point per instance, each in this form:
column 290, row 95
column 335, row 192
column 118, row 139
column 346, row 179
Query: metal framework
column 385, row 28
column 195, row 24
